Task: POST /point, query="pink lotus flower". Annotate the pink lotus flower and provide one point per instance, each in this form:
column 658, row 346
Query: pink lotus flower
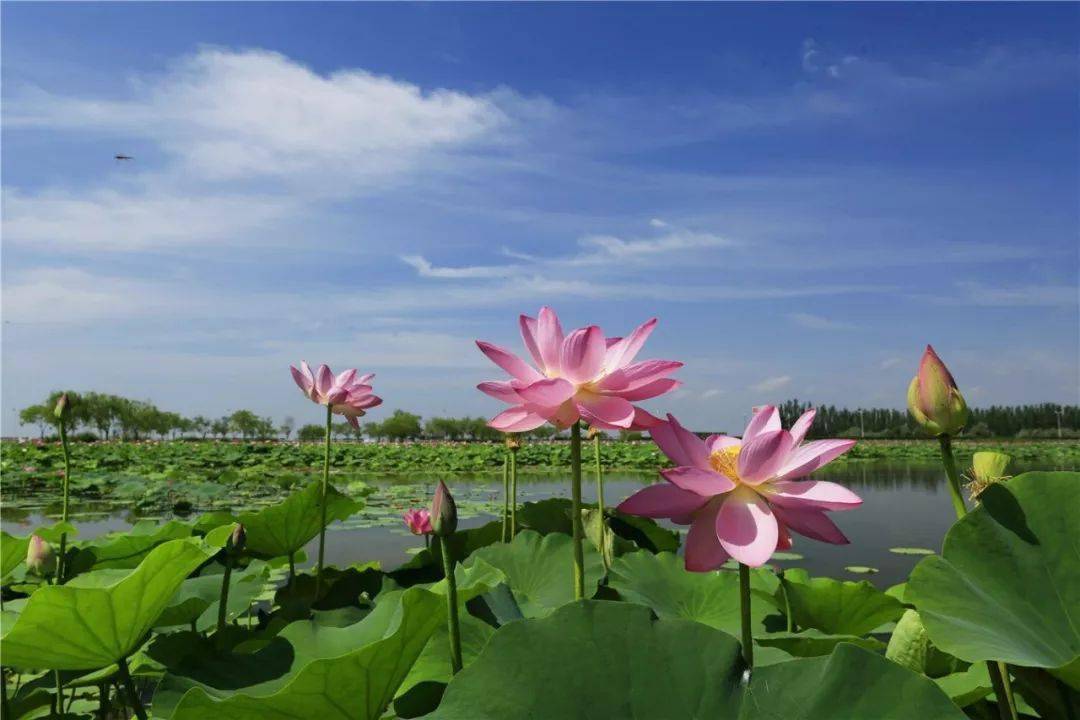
column 418, row 521
column 742, row 498
column 345, row 394
column 582, row 375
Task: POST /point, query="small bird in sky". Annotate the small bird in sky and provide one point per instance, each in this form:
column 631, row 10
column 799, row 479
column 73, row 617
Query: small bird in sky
column 123, row 157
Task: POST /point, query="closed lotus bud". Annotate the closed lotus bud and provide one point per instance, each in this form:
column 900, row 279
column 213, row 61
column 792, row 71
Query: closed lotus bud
column 63, row 407
column 443, row 512
column 40, row 558
column 238, row 538
column 933, row 398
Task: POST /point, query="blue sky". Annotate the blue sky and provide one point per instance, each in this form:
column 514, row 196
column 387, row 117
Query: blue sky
column 804, row 194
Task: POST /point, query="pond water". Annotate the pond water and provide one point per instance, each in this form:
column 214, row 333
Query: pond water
column 905, row 505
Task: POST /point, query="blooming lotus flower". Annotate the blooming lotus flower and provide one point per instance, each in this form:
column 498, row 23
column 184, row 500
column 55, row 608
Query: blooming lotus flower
column 345, row 394
column 743, row 498
column 580, row 376
column 418, row 521
column 933, row 398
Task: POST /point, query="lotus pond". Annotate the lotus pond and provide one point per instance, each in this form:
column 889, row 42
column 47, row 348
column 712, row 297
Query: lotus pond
column 144, row 619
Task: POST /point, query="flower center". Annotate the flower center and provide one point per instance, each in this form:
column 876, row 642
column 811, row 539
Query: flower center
column 726, row 462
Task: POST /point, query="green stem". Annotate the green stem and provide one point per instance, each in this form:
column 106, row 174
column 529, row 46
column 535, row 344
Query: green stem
column 103, row 701
column 787, row 604
column 292, row 569
column 506, row 497
column 451, row 606
column 67, row 495
column 951, row 473
column 513, row 493
column 575, row 518
column 600, row 500
column 223, row 604
column 129, row 685
column 744, row 608
column 3, row 693
column 59, row 692
column 997, row 671
column 322, row 502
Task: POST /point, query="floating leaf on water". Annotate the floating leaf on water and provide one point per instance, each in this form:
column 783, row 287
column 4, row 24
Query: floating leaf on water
column 911, row 551
column 786, row 556
column 861, row 569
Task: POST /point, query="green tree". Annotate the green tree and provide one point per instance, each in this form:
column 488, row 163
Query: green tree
column 402, row 426
column 310, row 433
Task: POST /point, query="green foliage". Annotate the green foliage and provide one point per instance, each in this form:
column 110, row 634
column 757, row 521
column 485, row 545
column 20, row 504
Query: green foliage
column 1007, row 584
column 633, row 666
column 838, row 607
column 84, row 628
column 286, row 527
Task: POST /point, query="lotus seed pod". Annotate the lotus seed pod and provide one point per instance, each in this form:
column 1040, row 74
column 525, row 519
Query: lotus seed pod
column 63, row 407
column 238, row 538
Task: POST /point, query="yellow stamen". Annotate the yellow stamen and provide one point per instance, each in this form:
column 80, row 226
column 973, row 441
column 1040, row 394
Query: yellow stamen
column 726, row 462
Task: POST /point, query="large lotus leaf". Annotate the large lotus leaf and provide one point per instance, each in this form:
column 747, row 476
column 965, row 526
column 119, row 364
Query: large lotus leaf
column 197, row 598
column 284, row 528
column 422, row 688
column 597, row 659
column 1007, row 583
column 356, row 685
column 539, row 569
column 811, row 643
column 264, row 663
column 83, row 628
column 553, row 515
column 661, row 582
column 126, row 549
column 12, row 552
column 838, row 607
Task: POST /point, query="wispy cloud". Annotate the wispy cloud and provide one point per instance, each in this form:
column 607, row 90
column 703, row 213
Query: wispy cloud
column 817, row 322
column 772, row 384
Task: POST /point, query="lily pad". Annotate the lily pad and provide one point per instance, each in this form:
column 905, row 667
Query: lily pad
column 1007, row 583
column 596, row 659
column 861, row 569
column 911, row 551
column 73, row 628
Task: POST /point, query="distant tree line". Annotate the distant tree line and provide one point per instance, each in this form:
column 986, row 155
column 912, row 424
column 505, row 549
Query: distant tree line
column 104, row 416
column 1045, row 420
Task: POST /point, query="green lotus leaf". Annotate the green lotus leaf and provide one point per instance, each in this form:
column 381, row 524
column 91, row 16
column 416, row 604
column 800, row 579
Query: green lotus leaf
column 357, row 679
column 1007, row 583
column 84, row 628
column 538, row 569
column 811, row 643
column 597, row 659
column 196, row 601
column 286, row 527
column 126, row 549
column 966, row 686
column 838, row 607
column 661, row 582
column 12, row 552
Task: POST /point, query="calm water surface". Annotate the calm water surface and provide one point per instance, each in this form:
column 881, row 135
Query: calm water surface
column 904, row 505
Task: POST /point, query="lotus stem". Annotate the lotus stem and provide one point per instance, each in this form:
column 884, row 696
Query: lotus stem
column 129, row 686
column 953, row 475
column 223, row 603
column 997, row 671
column 600, row 499
column 3, row 693
column 451, row 606
column 322, row 503
column 787, row 603
column 575, row 512
column 744, row 611
column 59, row 692
column 513, row 493
column 506, row 497
column 67, row 494
column 292, row 569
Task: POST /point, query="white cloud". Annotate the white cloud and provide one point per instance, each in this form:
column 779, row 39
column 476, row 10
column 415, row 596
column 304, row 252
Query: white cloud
column 424, row 268
column 817, row 322
column 891, row 362
column 239, row 114
column 711, row 393
column 112, row 220
column 1047, row 295
column 772, row 384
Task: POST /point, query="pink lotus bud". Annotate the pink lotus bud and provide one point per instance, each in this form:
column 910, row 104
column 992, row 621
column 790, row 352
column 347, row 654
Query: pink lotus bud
column 933, row 398
column 443, row 512
column 40, row 558
column 238, row 538
column 418, row 520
